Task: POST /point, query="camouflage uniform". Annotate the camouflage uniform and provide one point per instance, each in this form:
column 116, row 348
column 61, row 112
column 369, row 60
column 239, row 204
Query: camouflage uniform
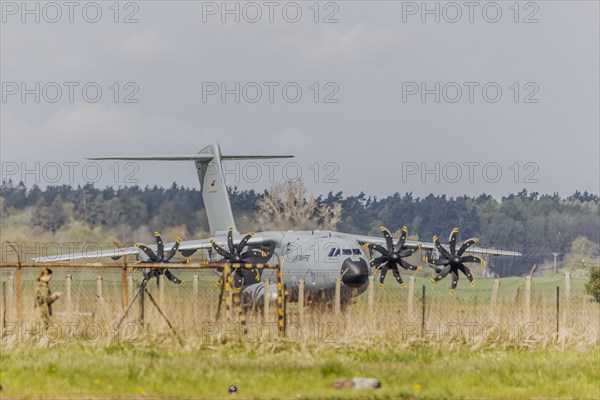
column 43, row 301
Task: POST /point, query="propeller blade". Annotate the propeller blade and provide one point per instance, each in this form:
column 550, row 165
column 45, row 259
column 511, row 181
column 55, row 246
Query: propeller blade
column 454, row 281
column 467, row 272
column 442, row 274
column 160, row 247
column 220, row 250
column 468, row 243
column 169, row 275
column 439, row 261
column 398, row 277
column 407, row 253
column 409, row 266
column 230, row 240
column 151, row 255
column 378, row 261
column 452, row 240
column 382, row 275
column 402, row 240
column 243, row 242
column 441, row 248
column 472, row 259
column 173, row 250
column 379, row 248
column 254, row 253
column 388, row 238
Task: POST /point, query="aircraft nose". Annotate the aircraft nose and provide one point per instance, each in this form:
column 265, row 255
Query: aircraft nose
column 355, row 273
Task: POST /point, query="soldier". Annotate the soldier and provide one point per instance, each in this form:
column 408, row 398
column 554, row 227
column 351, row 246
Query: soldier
column 43, row 297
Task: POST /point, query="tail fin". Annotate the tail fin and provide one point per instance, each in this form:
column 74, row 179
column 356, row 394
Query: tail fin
column 214, row 191
column 212, row 182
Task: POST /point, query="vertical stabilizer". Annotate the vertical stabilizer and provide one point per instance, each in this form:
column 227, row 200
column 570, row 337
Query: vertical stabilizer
column 214, row 191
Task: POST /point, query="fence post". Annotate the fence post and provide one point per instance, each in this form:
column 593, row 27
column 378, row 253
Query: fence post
column 301, row 298
column 68, row 293
column 528, row 298
column 99, row 287
column 19, row 294
column 266, row 296
column 338, row 295
column 130, row 285
column 195, row 280
column 11, row 292
column 3, row 306
column 411, row 295
column 161, row 289
column 370, row 294
column 11, row 286
column 567, row 303
column 494, row 301
column 124, row 287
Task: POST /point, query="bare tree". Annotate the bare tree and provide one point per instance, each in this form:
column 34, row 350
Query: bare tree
column 288, row 206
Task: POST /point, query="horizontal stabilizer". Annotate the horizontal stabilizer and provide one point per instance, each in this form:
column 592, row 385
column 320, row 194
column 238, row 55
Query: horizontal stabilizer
column 184, row 157
column 252, row 157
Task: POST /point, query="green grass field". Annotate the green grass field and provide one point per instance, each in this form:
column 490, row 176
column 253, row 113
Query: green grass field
column 296, row 372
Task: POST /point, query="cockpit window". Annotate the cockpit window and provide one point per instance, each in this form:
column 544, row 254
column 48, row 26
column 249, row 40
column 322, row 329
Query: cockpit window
column 356, row 251
column 331, row 252
column 347, row 252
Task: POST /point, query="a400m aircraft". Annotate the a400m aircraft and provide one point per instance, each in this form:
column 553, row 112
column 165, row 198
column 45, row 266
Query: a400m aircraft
column 319, row 257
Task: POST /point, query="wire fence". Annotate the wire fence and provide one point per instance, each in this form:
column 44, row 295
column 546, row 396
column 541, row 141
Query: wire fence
column 519, row 310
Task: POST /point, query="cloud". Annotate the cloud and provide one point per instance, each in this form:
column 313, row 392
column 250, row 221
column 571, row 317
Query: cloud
column 326, row 45
column 146, row 44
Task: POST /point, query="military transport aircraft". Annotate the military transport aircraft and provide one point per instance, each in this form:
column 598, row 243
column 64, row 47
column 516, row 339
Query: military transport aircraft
column 318, row 257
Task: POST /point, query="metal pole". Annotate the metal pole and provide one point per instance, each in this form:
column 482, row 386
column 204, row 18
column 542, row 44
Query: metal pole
column 18, row 284
column 557, row 310
column 423, row 313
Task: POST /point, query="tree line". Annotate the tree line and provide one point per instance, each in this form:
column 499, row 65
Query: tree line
column 537, row 225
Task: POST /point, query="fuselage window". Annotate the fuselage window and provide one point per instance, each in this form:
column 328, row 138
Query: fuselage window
column 334, row 252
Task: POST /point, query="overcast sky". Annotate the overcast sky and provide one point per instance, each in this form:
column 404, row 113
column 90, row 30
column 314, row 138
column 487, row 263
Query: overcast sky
column 492, row 98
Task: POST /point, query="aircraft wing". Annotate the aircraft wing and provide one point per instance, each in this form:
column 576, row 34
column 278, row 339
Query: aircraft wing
column 362, row 239
column 269, row 239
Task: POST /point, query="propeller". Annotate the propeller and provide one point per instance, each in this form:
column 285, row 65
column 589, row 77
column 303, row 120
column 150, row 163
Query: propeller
column 453, row 261
column 236, row 254
column 160, row 257
column 392, row 257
